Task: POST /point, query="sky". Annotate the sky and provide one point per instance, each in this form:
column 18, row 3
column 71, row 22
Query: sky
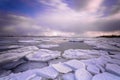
column 83, row 18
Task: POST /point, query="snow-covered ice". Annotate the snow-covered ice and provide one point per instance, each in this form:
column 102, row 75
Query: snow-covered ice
column 20, row 76
column 60, row 67
column 82, row 74
column 16, row 54
column 68, row 76
column 77, row 54
column 106, row 76
column 75, row 64
column 93, row 69
column 47, row 72
column 113, row 68
column 43, row 55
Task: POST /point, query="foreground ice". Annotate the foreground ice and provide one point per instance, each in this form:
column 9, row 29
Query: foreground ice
column 106, row 76
column 82, row 74
column 61, row 68
column 113, row 68
column 68, row 76
column 43, row 55
column 48, row 45
column 16, row 54
column 47, row 72
column 75, row 64
column 93, row 69
column 82, row 54
column 20, row 76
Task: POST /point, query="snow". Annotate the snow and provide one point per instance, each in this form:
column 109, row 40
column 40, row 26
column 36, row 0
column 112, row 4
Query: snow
column 93, row 69
column 43, row 55
column 113, row 68
column 61, row 68
column 47, row 72
column 82, row 74
column 68, row 76
column 105, row 76
column 48, row 45
column 76, row 54
column 16, row 54
column 75, row 64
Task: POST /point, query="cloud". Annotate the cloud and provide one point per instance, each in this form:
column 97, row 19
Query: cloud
column 60, row 19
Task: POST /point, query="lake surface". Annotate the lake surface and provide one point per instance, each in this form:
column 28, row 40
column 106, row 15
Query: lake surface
column 9, row 43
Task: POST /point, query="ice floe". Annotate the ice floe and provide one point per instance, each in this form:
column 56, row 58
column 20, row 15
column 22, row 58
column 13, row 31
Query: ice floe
column 60, row 67
column 93, row 69
column 105, row 76
column 68, row 76
column 16, row 54
column 43, row 55
column 75, row 64
column 82, row 74
column 20, row 76
column 113, row 68
column 47, row 72
column 82, row 54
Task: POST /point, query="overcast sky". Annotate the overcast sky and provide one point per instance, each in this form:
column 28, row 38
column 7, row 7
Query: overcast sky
column 84, row 18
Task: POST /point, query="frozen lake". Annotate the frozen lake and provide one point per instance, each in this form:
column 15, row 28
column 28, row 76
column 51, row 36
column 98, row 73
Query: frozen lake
column 36, row 58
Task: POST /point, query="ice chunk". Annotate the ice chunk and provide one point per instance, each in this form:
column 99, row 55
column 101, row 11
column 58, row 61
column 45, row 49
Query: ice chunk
column 105, row 76
column 20, row 76
column 47, row 72
column 16, row 54
column 93, row 69
column 76, row 54
column 82, row 74
column 43, row 55
column 29, row 66
column 68, row 76
column 113, row 68
column 61, row 68
column 48, row 45
column 75, row 64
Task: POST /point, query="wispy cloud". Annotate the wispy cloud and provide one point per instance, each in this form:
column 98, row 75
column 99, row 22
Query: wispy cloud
column 62, row 20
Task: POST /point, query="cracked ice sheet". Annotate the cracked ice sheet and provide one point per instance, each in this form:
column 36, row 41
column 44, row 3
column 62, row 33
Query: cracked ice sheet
column 82, row 54
column 43, row 55
column 105, row 76
column 16, row 54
